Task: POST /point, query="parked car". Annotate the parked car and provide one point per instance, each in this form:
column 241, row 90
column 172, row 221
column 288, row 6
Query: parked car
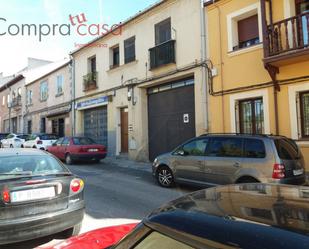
column 75, row 149
column 216, row 159
column 3, row 136
column 39, row 196
column 247, row 216
column 40, row 141
column 13, row 140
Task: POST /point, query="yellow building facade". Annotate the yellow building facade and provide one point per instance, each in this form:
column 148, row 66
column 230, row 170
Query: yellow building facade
column 259, row 59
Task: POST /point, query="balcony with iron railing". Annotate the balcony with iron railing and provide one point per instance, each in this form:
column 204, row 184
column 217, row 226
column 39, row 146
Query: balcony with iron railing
column 287, row 39
column 16, row 102
column 90, row 81
column 162, row 54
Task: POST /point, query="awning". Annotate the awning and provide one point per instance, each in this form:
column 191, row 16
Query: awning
column 59, row 112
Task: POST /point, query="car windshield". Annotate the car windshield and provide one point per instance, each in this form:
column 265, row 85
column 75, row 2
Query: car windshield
column 48, row 137
column 83, row 141
column 16, row 165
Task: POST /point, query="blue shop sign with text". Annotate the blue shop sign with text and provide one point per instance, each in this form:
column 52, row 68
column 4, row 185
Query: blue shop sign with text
column 92, row 102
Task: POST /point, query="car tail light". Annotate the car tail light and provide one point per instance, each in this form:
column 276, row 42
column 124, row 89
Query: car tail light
column 39, row 142
column 76, row 185
column 6, row 196
column 279, row 171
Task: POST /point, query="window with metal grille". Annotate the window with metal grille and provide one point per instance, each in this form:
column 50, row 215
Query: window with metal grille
column 129, row 50
column 248, row 32
column 251, row 116
column 304, row 114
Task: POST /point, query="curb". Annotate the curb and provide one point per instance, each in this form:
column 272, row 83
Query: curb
column 126, row 163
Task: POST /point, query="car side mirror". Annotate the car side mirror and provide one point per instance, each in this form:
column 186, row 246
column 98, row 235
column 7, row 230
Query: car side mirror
column 181, row 152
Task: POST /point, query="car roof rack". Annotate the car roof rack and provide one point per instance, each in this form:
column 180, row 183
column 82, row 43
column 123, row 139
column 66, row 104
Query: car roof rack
column 238, row 134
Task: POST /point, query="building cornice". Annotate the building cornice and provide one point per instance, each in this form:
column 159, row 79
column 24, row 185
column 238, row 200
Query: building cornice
column 12, row 82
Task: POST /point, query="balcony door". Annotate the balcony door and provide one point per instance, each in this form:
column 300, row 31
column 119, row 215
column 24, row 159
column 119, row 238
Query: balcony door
column 163, row 31
column 302, row 7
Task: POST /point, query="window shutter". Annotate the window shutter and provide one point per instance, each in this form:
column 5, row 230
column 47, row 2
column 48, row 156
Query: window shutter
column 248, row 29
column 129, row 49
column 237, row 118
column 298, row 115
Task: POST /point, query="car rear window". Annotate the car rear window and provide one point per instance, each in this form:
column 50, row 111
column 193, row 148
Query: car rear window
column 48, row 137
column 19, row 165
column 254, row 148
column 287, row 149
column 83, row 141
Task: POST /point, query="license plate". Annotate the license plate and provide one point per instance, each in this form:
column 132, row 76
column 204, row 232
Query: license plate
column 32, row 194
column 298, row 172
column 93, row 150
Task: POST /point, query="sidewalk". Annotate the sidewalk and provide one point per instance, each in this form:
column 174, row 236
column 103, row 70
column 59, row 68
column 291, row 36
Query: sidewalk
column 126, row 163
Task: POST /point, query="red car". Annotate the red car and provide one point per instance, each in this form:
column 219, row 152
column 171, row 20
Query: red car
column 96, row 239
column 73, row 149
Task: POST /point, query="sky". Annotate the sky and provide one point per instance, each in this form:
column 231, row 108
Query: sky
column 15, row 48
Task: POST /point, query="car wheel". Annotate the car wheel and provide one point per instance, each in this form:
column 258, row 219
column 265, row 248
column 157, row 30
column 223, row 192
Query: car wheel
column 165, row 177
column 247, row 179
column 11, row 146
column 21, row 146
column 33, row 147
column 68, row 159
column 73, row 231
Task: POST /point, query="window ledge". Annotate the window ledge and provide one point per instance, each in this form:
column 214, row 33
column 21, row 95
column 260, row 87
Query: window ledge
column 58, row 94
column 113, row 69
column 303, row 143
column 245, row 50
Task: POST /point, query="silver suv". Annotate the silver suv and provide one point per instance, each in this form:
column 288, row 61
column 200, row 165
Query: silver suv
column 216, row 159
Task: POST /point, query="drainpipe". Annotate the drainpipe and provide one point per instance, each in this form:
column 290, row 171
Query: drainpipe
column 204, row 69
column 9, row 103
column 73, row 114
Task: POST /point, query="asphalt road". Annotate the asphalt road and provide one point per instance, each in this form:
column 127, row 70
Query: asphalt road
column 114, row 194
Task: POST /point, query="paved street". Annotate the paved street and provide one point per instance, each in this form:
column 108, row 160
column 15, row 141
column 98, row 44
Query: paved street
column 117, row 191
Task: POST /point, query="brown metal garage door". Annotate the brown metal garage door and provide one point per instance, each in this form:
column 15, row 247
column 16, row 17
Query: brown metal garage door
column 95, row 124
column 171, row 116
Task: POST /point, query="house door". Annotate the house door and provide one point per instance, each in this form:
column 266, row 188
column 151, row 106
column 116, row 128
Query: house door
column 124, row 130
column 14, row 125
column 61, row 127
